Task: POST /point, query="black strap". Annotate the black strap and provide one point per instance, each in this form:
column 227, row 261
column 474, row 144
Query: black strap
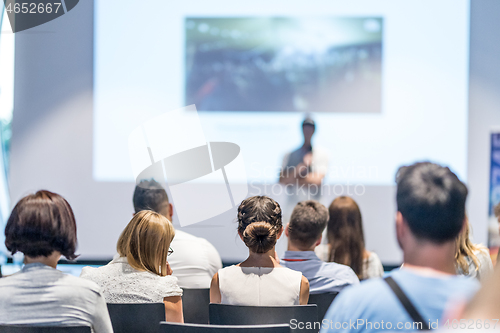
column 407, row 304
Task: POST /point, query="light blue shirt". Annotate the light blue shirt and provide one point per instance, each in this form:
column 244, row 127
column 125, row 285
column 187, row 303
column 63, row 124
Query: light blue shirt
column 324, row 277
column 43, row 296
column 373, row 306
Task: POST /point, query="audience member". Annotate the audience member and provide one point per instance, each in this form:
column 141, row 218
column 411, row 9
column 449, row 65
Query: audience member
column 194, row 261
column 473, row 260
column 141, row 273
column 304, row 231
column 260, row 279
column 42, row 226
column 431, row 213
column 346, row 241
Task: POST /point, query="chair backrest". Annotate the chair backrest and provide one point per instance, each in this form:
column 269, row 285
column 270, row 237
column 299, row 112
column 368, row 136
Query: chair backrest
column 199, row 328
column 136, row 317
column 43, row 329
column 224, row 314
column 323, row 301
column 195, row 305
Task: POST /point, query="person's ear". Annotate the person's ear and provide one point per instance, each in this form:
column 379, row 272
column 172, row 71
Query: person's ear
column 400, row 229
column 241, row 236
column 170, row 211
column 319, row 240
column 287, row 231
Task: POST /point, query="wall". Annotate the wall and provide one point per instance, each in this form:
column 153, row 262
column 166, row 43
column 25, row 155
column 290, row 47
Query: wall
column 484, row 111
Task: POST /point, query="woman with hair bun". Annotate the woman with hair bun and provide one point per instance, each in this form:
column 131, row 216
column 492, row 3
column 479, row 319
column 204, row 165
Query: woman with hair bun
column 259, row 280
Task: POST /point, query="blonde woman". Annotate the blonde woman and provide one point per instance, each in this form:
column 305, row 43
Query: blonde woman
column 473, row 260
column 141, row 274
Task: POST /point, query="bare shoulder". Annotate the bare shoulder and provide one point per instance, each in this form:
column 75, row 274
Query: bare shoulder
column 304, row 282
column 215, row 280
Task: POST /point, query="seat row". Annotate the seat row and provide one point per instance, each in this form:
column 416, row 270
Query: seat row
column 150, row 317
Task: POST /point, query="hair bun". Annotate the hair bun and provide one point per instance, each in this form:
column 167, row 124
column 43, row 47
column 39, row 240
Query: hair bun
column 260, row 237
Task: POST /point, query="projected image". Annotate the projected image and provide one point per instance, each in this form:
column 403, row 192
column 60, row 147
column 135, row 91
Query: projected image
column 284, row 64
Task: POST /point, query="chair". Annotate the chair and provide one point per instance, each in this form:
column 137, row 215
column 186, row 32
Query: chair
column 136, row 317
column 195, row 305
column 224, row 314
column 197, row 328
column 323, row 301
column 43, row 329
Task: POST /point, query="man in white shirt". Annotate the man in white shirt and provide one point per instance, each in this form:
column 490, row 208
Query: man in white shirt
column 194, row 260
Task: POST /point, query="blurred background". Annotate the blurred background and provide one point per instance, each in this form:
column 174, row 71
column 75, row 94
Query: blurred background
column 387, row 83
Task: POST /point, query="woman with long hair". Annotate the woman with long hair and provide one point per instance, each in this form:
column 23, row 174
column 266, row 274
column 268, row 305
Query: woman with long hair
column 346, row 242
column 141, row 273
column 473, row 260
column 259, row 280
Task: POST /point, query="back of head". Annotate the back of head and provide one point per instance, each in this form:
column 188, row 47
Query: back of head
column 431, row 199
column 345, row 234
column 145, row 242
column 259, row 222
column 40, row 224
column 308, row 220
column 150, row 195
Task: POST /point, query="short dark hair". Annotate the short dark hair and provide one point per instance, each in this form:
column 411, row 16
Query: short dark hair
column 40, row 224
column 149, row 195
column 259, row 221
column 431, row 199
column 309, row 219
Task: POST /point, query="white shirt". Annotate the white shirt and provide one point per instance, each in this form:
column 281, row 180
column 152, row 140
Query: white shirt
column 194, row 261
column 42, row 295
column 373, row 267
column 259, row 286
column 121, row 283
column 485, row 268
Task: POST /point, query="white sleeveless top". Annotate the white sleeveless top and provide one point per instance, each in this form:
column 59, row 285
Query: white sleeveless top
column 259, row 286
